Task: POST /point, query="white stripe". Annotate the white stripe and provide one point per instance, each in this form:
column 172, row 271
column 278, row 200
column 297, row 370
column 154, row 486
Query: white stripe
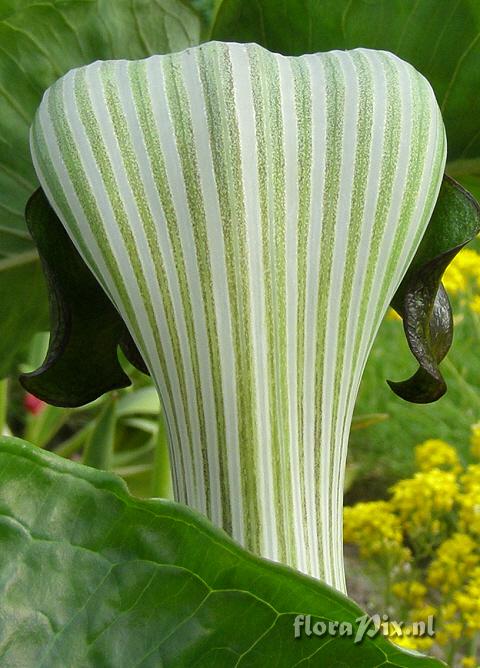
column 246, row 127
column 213, row 221
column 162, row 241
column 290, row 147
column 314, row 256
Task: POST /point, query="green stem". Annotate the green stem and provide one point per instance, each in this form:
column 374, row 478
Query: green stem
column 470, row 294
column 3, row 403
column 135, row 469
column 451, row 653
column 161, row 475
column 99, row 448
column 126, row 458
column 41, row 429
column 458, row 376
column 75, row 442
column 387, row 594
column 476, row 321
column 474, row 645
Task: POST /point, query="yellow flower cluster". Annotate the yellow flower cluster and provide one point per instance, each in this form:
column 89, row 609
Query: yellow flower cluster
column 376, row 530
column 454, row 559
column 409, row 641
column 474, row 304
column 451, row 627
column 469, row 662
column 435, row 453
column 410, row 591
column 469, row 500
column 468, row 603
column 430, row 526
column 423, row 501
column 454, row 279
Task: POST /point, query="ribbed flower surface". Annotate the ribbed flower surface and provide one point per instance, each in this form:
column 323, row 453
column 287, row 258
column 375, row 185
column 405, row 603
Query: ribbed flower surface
column 250, row 215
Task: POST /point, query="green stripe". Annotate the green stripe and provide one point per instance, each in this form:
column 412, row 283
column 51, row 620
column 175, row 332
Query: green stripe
column 102, row 158
column 392, row 138
column 218, row 92
column 177, row 100
column 139, row 83
column 132, row 170
column 303, row 107
column 335, row 102
column 41, row 150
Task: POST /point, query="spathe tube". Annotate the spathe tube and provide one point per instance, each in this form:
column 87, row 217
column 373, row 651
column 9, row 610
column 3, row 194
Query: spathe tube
column 251, row 216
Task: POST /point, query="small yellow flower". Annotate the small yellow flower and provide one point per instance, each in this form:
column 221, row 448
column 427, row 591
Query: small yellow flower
column 375, row 528
column 424, row 499
column 469, row 512
column 474, row 304
column 410, row 591
column 470, row 480
column 468, row 262
column 453, row 563
column 409, row 640
column 475, row 431
column 435, row 453
column 454, row 630
column 442, row 638
column 448, row 611
column 469, row 500
column 468, row 603
column 406, row 641
column 454, row 280
column 469, row 662
column 464, row 268
column 423, row 613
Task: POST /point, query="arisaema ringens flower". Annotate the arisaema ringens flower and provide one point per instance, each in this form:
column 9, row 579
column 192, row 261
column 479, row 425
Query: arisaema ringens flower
column 249, row 218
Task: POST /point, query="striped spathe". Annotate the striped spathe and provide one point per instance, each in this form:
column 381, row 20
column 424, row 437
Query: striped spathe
column 250, row 215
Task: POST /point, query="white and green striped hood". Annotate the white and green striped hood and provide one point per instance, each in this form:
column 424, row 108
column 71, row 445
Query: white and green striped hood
column 250, row 215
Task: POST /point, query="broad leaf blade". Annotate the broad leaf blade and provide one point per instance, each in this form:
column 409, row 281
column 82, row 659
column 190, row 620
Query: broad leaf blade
column 422, row 301
column 39, row 43
column 147, row 583
column 23, row 297
column 207, row 10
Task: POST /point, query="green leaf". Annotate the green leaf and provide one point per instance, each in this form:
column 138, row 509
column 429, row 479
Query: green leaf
column 143, row 401
column 369, row 420
column 39, row 43
column 207, row 10
column 100, row 444
column 41, row 428
column 421, row 299
column 3, row 404
column 91, row 576
column 440, row 39
column 23, row 300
